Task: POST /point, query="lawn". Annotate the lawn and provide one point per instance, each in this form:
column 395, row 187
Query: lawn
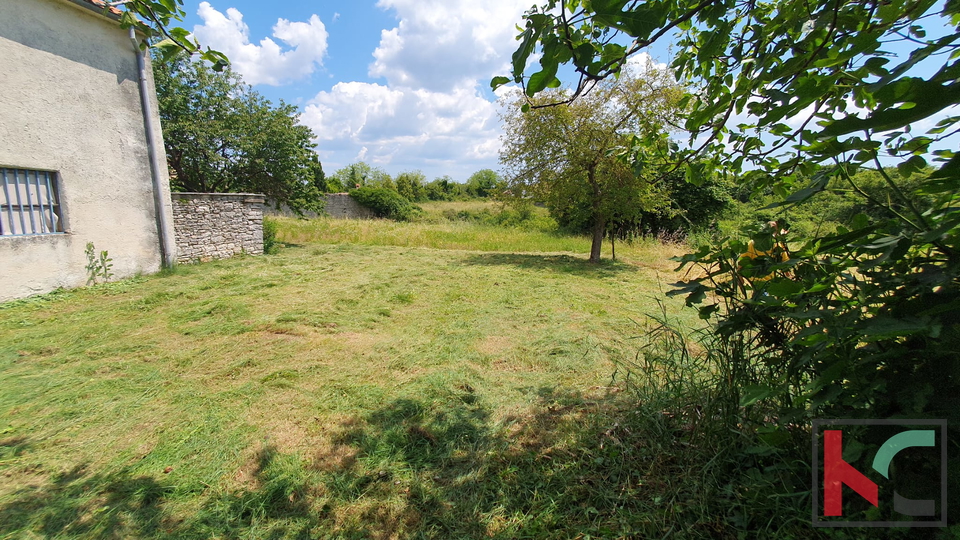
column 372, row 380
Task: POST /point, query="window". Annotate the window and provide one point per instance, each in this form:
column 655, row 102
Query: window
column 29, row 203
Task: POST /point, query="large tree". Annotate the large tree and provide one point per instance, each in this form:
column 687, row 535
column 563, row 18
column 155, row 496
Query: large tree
column 221, row 136
column 484, row 183
column 566, row 156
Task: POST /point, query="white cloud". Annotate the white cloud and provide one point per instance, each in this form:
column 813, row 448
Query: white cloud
column 430, row 110
column 455, row 132
column 443, row 44
column 268, row 62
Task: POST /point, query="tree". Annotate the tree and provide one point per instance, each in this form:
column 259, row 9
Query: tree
column 221, row 136
column 484, row 183
column 566, row 156
column 360, row 174
column 411, row 185
column 443, row 189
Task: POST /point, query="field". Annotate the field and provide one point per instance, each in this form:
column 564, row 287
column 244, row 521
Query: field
column 372, row 380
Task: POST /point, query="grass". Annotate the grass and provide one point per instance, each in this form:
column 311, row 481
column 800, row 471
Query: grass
column 461, row 235
column 375, row 380
column 437, row 211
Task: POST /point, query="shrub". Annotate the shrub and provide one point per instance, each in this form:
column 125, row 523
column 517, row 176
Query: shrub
column 386, row 203
column 270, row 245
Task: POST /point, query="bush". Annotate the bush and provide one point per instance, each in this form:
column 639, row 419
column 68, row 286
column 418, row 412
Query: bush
column 270, row 245
column 386, row 203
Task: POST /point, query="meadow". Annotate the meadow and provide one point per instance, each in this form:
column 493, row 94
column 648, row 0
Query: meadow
column 373, row 379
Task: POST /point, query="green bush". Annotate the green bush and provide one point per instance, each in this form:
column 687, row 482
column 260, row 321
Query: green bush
column 386, row 203
column 270, row 245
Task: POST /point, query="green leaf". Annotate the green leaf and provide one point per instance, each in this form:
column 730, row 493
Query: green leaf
column 755, row 392
column 542, row 79
column 912, row 165
column 497, row 82
column 882, row 327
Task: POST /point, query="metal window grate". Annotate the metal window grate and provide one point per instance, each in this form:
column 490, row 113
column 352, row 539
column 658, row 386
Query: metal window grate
column 29, row 203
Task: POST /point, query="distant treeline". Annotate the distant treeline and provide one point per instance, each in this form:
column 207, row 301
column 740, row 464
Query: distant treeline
column 413, row 185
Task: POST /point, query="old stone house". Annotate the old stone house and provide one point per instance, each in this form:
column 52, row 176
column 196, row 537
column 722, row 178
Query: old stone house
column 80, row 160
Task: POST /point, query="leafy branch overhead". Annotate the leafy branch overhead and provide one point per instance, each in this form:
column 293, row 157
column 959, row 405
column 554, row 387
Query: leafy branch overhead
column 154, row 18
column 813, row 76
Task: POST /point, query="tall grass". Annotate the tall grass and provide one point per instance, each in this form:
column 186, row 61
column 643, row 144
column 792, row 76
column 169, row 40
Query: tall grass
column 466, row 235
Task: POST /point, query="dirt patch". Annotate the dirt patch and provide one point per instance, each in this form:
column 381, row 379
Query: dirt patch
column 494, row 345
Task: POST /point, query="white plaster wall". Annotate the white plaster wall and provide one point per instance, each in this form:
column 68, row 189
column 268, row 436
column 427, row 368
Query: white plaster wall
column 69, row 102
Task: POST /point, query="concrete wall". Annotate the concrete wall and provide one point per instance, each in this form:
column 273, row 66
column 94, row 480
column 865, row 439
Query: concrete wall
column 217, row 225
column 70, row 103
column 336, row 205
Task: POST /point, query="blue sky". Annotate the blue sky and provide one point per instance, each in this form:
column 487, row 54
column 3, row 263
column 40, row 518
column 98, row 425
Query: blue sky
column 401, row 84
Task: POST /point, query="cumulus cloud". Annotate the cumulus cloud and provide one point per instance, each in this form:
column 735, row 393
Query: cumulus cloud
column 443, row 44
column 455, row 132
column 268, row 62
column 429, row 108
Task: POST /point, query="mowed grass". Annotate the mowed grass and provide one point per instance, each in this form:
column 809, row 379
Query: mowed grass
column 339, row 389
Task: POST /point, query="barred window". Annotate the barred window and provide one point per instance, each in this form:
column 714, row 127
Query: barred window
column 29, row 203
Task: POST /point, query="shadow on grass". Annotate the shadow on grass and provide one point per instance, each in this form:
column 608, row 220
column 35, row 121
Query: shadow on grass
column 80, row 504
column 435, row 466
column 552, row 263
column 571, row 467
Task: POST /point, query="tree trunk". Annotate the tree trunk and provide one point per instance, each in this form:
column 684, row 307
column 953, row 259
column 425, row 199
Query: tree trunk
column 599, row 227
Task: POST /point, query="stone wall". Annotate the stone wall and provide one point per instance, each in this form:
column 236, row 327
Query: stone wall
column 342, row 205
column 336, row 205
column 217, row 225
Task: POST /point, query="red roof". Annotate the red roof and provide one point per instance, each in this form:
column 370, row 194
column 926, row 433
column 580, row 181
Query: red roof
column 101, row 4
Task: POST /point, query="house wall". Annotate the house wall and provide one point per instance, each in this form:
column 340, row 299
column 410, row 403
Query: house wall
column 69, row 102
column 217, row 225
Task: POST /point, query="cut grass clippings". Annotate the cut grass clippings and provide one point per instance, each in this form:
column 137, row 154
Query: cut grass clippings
column 340, row 389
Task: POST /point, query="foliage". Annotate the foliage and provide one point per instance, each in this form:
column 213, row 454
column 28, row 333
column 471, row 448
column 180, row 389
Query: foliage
column 385, row 203
column 411, row 185
column 484, row 183
column 444, row 189
column 97, row 266
column 566, row 156
column 860, row 321
column 692, row 206
column 270, row 244
column 361, row 174
column 221, row 136
column 154, row 17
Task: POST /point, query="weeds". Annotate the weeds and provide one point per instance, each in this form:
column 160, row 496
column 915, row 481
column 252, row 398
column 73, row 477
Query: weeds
column 98, row 267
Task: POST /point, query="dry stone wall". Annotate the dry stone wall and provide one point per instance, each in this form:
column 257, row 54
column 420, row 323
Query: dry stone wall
column 217, row 225
column 336, row 205
column 342, row 205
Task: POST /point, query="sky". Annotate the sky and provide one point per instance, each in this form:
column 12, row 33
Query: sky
column 400, row 84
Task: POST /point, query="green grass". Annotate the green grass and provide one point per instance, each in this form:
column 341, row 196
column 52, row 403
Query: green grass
column 461, row 235
column 375, row 380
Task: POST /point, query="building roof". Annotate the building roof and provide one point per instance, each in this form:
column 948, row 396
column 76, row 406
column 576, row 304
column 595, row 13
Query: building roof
column 101, row 4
